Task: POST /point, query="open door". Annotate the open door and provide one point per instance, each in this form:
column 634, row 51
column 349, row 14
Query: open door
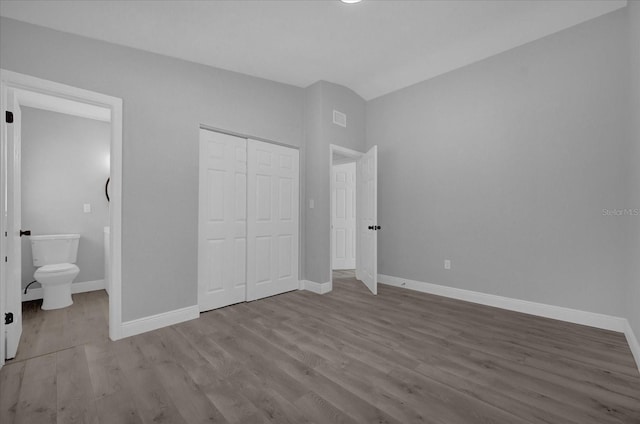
column 11, row 215
column 367, row 219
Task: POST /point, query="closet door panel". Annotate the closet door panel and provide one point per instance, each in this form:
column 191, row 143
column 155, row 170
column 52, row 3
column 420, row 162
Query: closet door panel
column 272, row 248
column 222, row 224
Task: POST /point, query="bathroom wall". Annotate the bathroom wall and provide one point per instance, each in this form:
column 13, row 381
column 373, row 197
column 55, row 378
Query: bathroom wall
column 64, row 166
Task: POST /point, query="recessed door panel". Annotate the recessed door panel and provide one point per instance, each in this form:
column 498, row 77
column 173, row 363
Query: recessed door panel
column 284, row 255
column 262, row 195
column 286, row 197
column 240, row 264
column 215, row 265
column 215, row 195
column 263, row 259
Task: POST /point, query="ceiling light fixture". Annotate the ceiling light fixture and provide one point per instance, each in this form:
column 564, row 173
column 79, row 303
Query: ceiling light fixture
column 350, row 1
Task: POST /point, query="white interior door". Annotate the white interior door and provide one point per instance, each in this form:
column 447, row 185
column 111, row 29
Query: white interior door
column 367, row 219
column 344, row 216
column 222, row 225
column 12, row 216
column 272, row 238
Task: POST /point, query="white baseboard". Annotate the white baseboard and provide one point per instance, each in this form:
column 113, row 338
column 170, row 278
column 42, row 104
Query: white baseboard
column 319, row 288
column 633, row 343
column 80, row 287
column 592, row 319
column 153, row 322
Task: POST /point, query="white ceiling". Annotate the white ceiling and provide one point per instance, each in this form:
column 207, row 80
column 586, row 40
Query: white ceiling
column 373, row 47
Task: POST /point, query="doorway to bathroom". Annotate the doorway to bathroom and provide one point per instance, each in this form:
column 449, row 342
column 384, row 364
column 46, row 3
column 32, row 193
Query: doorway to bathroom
column 61, row 174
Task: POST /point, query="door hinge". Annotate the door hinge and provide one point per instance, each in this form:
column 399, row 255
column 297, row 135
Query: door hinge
column 5, row 259
column 8, row 318
column 8, row 117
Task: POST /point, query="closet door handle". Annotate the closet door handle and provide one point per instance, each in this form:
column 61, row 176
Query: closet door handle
column 371, row 227
column 25, row 233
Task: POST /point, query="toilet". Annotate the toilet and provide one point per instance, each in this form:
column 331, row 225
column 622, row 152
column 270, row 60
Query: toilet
column 54, row 256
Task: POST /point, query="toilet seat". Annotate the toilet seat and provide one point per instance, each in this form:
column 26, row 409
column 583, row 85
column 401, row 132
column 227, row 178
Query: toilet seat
column 56, row 268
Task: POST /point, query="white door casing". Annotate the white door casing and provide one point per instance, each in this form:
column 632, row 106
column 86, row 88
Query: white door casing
column 344, row 216
column 367, row 213
column 49, row 95
column 272, row 217
column 3, row 224
column 13, row 217
column 222, row 225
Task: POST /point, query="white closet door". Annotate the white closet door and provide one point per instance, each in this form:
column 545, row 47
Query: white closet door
column 344, row 216
column 222, row 226
column 273, row 187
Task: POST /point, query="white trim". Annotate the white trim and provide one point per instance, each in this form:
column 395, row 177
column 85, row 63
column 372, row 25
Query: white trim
column 165, row 319
column 345, row 151
column 575, row 316
column 79, row 287
column 592, row 319
column 319, row 288
column 114, row 104
column 60, row 105
column 634, row 345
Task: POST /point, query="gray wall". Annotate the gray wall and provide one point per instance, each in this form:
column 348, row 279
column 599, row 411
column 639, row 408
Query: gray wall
column 165, row 101
column 63, row 167
column 504, row 167
column 633, row 222
column 320, row 101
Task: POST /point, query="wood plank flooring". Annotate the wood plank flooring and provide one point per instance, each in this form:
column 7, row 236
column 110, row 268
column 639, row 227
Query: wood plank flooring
column 86, row 321
column 343, row 357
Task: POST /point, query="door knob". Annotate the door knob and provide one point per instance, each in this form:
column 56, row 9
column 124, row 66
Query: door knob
column 377, row 227
column 25, row 233
column 371, row 227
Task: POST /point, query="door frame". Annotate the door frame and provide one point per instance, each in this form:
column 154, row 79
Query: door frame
column 355, row 155
column 27, row 83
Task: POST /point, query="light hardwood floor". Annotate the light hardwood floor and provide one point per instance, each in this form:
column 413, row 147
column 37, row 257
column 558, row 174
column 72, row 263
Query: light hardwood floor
column 86, row 321
column 343, row 357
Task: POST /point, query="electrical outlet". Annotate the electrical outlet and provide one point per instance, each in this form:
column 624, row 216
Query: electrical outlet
column 87, row 208
column 447, row 264
column 311, row 204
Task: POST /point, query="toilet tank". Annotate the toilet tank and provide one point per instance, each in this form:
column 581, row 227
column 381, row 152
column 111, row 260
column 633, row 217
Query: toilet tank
column 54, row 249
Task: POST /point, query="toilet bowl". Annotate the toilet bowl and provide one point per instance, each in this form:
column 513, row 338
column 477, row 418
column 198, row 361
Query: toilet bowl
column 54, row 255
column 56, row 284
